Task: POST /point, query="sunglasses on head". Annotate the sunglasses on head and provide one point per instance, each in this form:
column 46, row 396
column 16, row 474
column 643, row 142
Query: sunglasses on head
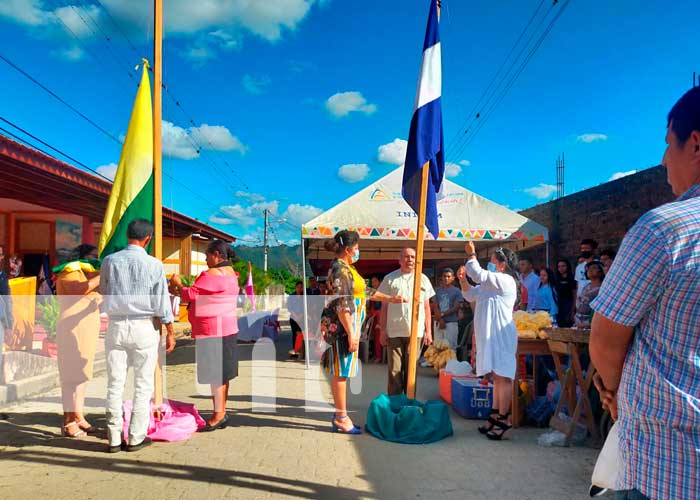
column 501, row 255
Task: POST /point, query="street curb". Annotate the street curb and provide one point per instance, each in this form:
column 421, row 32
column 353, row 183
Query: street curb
column 33, row 386
column 20, row 390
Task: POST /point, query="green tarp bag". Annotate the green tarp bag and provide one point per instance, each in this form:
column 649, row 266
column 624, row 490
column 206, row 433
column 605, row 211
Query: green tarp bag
column 402, row 420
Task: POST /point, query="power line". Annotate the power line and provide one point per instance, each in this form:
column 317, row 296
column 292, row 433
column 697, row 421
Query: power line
column 69, row 157
column 495, row 76
column 47, row 145
column 493, row 104
column 78, row 112
column 83, row 44
column 199, row 148
column 480, row 109
column 124, row 65
column 192, row 122
column 60, row 99
column 516, row 75
column 116, row 25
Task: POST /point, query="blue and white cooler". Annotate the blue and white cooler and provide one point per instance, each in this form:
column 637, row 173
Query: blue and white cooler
column 471, row 398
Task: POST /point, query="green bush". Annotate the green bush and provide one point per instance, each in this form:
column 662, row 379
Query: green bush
column 49, row 310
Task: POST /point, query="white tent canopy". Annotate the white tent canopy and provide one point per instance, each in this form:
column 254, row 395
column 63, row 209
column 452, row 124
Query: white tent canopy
column 385, row 222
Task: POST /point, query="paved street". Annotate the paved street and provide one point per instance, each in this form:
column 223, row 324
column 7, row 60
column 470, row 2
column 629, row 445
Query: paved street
column 281, row 452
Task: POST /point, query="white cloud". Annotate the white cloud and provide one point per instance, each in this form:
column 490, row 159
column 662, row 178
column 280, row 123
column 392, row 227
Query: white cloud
column 353, row 172
column 245, row 216
column 226, row 40
column 541, row 191
column 182, row 143
column 78, row 21
column 217, row 137
column 452, row 169
column 256, row 84
column 199, row 52
column 268, row 19
column 344, row 103
column 27, row 12
column 221, row 220
column 393, row 153
column 588, row 138
column 239, row 215
column 225, row 21
column 465, row 163
column 72, row 54
column 620, row 175
column 207, row 47
column 254, row 197
column 109, row 170
column 297, row 214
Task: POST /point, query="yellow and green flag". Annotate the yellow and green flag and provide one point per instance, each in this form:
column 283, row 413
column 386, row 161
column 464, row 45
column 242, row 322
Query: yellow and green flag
column 132, row 191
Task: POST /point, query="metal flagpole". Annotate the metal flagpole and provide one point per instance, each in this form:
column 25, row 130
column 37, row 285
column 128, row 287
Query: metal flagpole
column 306, row 309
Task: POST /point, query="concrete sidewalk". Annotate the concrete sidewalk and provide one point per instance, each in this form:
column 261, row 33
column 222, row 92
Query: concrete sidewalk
column 287, row 453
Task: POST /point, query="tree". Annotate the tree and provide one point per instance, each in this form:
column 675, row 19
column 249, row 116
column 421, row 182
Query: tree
column 261, row 280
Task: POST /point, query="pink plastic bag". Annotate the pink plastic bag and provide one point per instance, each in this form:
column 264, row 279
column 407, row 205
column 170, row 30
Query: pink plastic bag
column 180, row 420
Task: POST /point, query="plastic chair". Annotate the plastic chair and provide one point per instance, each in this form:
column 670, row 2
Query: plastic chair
column 365, row 333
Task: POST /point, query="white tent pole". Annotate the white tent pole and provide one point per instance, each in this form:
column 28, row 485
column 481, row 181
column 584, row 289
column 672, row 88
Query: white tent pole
column 306, row 309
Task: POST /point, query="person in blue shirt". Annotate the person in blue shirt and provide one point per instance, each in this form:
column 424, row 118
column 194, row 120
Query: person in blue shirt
column 545, row 299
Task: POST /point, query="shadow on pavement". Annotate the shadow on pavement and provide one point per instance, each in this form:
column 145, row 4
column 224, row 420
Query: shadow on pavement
column 206, row 475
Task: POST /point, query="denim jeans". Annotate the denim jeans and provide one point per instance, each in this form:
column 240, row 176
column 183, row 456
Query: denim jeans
column 630, row 495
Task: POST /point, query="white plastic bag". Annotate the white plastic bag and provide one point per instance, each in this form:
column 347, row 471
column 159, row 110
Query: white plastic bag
column 458, row 368
column 607, row 466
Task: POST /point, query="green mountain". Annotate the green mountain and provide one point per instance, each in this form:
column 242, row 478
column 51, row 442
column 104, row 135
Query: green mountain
column 279, row 257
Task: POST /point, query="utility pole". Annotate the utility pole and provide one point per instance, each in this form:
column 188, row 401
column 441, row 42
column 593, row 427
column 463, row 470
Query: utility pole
column 265, row 243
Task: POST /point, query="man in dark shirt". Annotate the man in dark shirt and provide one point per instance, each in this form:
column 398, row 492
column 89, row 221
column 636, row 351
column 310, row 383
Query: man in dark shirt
column 313, row 287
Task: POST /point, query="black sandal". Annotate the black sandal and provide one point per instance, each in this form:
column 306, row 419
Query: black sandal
column 500, row 428
column 492, row 421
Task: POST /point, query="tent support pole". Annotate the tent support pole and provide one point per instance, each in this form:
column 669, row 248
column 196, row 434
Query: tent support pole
column 306, row 308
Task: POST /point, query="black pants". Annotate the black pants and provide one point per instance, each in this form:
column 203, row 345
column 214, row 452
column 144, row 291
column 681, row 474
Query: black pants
column 296, row 330
column 564, row 314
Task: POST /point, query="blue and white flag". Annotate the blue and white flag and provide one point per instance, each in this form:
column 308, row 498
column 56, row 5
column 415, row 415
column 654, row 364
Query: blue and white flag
column 425, row 142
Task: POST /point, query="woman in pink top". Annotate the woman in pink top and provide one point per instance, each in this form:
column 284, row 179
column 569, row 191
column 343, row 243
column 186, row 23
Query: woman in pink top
column 212, row 314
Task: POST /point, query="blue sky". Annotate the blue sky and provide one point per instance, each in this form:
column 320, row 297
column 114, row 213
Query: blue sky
column 294, row 99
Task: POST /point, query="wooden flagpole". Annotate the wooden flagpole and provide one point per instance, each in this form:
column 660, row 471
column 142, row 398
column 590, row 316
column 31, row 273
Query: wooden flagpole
column 157, row 162
column 417, row 279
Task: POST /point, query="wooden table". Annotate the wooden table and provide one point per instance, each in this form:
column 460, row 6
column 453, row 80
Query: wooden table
column 571, row 342
column 536, row 347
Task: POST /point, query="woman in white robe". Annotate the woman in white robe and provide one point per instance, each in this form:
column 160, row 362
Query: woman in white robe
column 495, row 296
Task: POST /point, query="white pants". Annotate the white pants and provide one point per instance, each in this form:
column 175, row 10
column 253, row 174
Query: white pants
column 130, row 343
column 450, row 334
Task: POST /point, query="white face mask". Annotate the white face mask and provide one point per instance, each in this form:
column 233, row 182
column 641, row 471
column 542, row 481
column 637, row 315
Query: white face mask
column 356, row 256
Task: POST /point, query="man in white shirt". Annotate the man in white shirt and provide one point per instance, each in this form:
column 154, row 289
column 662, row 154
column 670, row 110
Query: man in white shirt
column 530, row 279
column 395, row 319
column 587, row 249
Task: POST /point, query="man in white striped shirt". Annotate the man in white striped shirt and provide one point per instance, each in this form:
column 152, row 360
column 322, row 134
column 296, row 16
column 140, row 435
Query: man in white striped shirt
column 137, row 301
